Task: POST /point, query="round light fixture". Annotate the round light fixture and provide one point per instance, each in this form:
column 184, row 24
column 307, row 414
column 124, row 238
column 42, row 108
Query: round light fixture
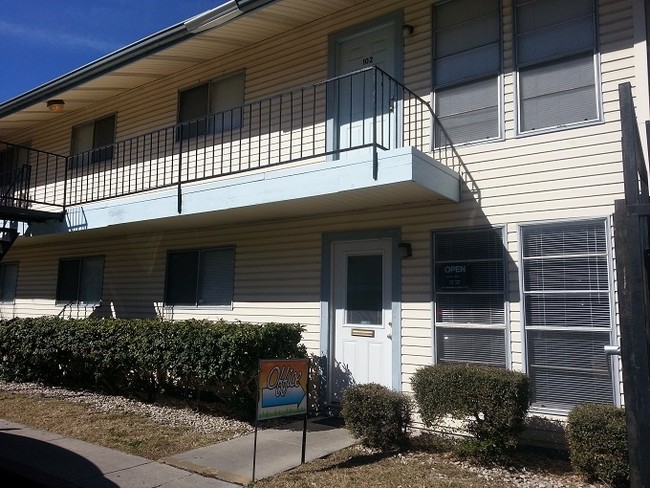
column 55, row 105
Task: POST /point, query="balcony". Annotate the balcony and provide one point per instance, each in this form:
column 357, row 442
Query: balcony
column 363, row 130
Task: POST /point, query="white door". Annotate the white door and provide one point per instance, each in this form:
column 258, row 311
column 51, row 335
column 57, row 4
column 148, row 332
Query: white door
column 357, row 104
column 362, row 313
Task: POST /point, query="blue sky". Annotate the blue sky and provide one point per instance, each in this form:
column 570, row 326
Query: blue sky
column 43, row 39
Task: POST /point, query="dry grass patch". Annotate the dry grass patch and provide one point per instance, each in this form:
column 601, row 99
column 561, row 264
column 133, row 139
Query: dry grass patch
column 127, row 432
column 433, row 468
column 354, row 468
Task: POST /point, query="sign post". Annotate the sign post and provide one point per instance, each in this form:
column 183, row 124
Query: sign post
column 282, row 391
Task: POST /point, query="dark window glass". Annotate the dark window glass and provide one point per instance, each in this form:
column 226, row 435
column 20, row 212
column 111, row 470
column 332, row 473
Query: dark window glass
column 200, row 277
column 364, row 290
column 80, row 280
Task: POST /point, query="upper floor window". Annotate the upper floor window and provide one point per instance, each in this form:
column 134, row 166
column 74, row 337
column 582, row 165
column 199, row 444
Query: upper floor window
column 223, row 97
column 556, row 53
column 92, row 142
column 80, row 280
column 200, row 277
column 8, row 281
column 467, row 64
column 14, row 160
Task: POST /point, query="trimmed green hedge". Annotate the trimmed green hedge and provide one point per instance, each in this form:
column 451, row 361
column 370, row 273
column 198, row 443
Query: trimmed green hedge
column 492, row 403
column 378, row 416
column 144, row 357
column 598, row 443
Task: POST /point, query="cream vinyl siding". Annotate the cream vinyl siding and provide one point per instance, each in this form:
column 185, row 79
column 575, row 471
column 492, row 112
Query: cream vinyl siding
column 569, row 174
column 277, row 273
column 300, row 57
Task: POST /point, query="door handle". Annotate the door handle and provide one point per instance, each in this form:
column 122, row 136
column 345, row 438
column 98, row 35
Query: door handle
column 390, row 336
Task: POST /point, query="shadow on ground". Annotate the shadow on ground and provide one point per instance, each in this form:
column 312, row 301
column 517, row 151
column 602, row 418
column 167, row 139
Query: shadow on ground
column 17, row 454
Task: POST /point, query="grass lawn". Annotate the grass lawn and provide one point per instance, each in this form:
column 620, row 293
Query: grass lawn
column 123, row 431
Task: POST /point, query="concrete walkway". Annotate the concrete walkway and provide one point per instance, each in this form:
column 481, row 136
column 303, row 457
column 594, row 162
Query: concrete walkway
column 36, row 458
column 278, row 450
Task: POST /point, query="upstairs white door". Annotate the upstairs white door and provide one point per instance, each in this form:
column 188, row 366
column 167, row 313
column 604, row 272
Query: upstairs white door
column 358, row 104
column 362, row 312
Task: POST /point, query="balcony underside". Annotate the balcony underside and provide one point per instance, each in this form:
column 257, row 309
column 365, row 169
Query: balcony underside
column 8, row 212
column 404, row 175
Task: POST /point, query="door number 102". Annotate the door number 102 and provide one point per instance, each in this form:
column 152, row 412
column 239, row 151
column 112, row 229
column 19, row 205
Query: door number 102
column 368, row 60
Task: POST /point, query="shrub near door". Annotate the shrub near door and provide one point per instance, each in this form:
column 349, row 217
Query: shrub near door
column 492, row 403
column 378, row 416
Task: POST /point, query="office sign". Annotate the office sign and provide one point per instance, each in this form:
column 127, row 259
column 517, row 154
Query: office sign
column 282, row 388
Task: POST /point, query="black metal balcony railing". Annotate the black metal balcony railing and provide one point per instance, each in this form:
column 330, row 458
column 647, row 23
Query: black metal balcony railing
column 361, row 112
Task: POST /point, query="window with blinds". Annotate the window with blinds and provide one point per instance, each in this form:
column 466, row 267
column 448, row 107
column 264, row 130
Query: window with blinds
column 467, row 63
column 200, row 277
column 555, row 54
column 469, row 295
column 567, row 312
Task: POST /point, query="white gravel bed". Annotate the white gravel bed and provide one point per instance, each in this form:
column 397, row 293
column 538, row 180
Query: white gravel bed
column 521, row 478
column 174, row 416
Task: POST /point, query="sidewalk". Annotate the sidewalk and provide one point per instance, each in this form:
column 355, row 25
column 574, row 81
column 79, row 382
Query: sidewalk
column 278, row 450
column 54, row 461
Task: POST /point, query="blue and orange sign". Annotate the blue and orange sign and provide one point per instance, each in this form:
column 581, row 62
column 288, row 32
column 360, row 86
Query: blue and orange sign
column 283, row 385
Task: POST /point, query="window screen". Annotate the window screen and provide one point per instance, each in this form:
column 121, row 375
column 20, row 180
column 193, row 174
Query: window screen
column 200, row 277
column 567, row 314
column 467, row 62
column 555, row 48
column 80, row 280
column 470, row 297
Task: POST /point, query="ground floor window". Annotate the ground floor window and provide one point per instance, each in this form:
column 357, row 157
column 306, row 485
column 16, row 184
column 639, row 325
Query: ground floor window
column 469, row 296
column 8, row 280
column 200, row 277
column 567, row 312
column 80, row 280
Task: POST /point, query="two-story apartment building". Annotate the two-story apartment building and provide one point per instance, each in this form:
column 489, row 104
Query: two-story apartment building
column 414, row 181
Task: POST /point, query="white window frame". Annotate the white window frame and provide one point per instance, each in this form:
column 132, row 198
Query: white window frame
column 598, row 99
column 498, row 80
column 506, row 309
column 613, row 361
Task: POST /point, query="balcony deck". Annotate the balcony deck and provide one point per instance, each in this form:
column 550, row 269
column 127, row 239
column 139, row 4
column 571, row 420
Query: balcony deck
column 362, row 133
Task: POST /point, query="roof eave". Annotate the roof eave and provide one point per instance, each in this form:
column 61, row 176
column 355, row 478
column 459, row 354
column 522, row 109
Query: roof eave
column 126, row 55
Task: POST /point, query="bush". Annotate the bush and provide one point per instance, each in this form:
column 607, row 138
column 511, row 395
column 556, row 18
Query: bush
column 492, row 403
column 598, row 443
column 144, row 357
column 378, row 416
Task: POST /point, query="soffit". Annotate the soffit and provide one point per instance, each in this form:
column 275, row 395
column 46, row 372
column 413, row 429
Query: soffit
column 243, row 31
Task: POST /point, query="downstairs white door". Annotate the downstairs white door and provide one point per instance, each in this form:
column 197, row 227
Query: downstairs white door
column 361, row 314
